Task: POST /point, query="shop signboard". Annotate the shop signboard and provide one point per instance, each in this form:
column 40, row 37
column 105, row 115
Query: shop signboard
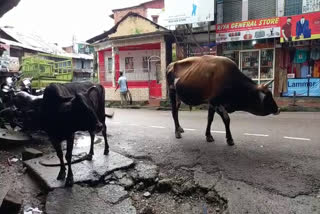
column 309, row 6
column 248, row 30
column 300, row 27
column 180, row 12
column 303, row 87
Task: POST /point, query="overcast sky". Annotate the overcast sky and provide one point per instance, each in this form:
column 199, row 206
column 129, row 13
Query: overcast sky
column 58, row 20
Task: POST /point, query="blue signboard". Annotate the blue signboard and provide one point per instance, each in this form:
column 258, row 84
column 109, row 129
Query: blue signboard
column 303, row 87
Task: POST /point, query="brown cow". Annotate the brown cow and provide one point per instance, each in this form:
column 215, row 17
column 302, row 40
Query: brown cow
column 217, row 81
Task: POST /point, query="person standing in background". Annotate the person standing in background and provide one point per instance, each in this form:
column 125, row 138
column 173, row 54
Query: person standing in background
column 123, row 84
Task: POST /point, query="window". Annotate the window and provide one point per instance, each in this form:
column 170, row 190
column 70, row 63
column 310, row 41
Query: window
column 292, row 7
column 155, row 19
column 109, row 65
column 232, row 10
column 145, row 64
column 129, row 64
column 261, row 9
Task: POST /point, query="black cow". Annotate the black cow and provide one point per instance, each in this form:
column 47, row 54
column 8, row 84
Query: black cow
column 218, row 82
column 72, row 107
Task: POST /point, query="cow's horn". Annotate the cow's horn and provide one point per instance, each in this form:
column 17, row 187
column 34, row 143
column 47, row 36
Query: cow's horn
column 268, row 83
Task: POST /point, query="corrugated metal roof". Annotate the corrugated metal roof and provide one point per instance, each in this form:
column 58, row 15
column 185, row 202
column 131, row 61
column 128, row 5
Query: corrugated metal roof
column 33, row 42
column 79, row 56
column 36, row 43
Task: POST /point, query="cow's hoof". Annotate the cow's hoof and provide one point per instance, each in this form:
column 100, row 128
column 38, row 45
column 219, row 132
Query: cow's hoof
column 62, row 175
column 178, row 135
column 230, row 142
column 89, row 157
column 69, row 182
column 180, row 130
column 106, row 152
column 210, row 139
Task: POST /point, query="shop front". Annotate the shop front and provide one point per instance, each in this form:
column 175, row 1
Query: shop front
column 283, row 49
column 299, row 61
column 251, row 44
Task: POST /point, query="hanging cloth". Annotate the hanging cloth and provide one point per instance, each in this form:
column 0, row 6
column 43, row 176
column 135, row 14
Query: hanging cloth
column 300, row 56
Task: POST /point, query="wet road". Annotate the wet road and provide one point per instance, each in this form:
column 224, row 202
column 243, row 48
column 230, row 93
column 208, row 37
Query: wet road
column 279, row 156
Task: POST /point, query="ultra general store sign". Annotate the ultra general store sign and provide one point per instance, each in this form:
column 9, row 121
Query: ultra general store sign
column 248, row 30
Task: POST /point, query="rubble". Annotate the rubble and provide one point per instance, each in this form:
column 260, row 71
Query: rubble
column 11, row 203
column 147, row 194
column 146, row 172
column 112, row 193
column 164, row 185
column 30, row 153
column 126, row 182
column 204, row 180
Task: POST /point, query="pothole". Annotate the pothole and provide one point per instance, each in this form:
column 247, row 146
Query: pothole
column 155, row 190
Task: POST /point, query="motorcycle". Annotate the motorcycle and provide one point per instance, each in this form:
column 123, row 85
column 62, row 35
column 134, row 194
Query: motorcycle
column 11, row 91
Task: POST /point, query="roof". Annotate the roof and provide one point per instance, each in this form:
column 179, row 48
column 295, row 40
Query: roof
column 36, row 43
column 17, row 44
column 7, row 5
column 105, row 35
column 135, row 6
column 32, row 42
column 78, row 56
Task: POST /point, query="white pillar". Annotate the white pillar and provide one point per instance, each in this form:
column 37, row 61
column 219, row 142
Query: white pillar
column 245, row 10
column 114, row 51
column 163, row 58
column 280, row 8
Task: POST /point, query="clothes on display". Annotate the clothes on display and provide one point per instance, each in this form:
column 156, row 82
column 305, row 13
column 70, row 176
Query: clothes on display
column 315, row 54
column 304, row 70
column 296, row 70
column 316, row 69
column 283, row 80
column 300, row 56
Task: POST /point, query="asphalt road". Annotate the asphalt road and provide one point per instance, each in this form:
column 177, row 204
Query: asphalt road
column 275, row 158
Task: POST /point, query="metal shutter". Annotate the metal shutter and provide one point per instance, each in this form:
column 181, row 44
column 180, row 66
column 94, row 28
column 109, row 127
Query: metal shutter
column 292, row 7
column 232, row 10
column 261, row 8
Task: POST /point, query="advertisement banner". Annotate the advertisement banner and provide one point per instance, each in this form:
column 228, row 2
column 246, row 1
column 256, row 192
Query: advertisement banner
column 300, row 27
column 180, row 12
column 248, row 30
column 303, row 87
column 4, row 58
column 8, row 63
column 309, row 6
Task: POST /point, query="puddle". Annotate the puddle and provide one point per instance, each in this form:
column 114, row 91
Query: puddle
column 85, row 141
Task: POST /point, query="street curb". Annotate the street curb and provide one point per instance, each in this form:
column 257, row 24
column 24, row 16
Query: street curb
column 162, row 108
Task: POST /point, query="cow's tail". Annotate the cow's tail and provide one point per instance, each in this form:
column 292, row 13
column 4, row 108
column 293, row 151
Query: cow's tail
column 77, row 160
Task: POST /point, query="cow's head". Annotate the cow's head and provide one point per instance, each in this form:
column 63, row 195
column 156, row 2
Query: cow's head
column 264, row 103
column 80, row 109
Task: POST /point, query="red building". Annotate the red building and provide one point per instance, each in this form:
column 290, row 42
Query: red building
column 139, row 48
